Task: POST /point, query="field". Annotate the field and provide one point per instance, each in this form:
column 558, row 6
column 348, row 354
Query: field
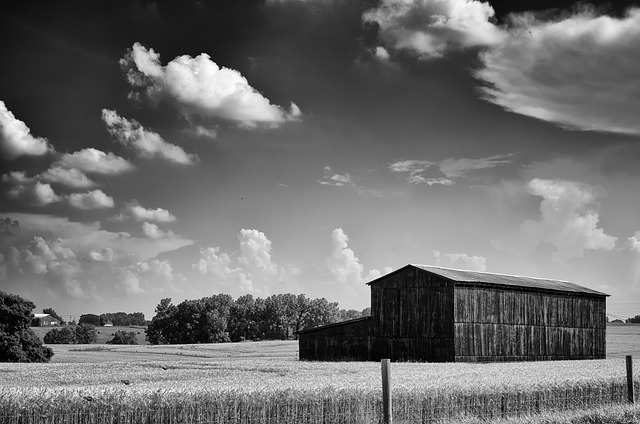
column 104, row 333
column 263, row 382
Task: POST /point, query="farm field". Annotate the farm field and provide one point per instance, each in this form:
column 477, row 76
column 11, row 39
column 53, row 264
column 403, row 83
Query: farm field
column 263, row 382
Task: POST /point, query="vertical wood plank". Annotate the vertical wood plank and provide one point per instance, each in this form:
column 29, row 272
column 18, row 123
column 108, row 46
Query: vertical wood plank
column 387, row 415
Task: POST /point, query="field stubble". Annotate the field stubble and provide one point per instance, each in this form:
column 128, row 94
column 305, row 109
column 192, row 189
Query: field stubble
column 264, row 382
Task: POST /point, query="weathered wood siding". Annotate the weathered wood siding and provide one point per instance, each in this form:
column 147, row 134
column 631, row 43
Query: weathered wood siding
column 338, row 342
column 412, row 317
column 498, row 324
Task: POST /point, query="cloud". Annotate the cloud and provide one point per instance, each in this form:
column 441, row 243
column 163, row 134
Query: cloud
column 336, row 180
column 381, row 53
column 37, row 194
column 579, row 71
column 95, row 199
column 147, row 144
column 16, row 139
column 138, row 213
column 214, row 262
column 90, row 235
column 17, row 178
column 449, row 169
column 569, row 222
column 430, row 28
column 152, row 231
column 95, row 161
column 69, row 177
column 198, row 86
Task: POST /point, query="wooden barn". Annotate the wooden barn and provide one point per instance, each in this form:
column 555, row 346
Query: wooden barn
column 434, row 314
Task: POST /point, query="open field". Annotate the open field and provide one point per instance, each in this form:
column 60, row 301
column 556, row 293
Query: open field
column 104, row 333
column 263, row 382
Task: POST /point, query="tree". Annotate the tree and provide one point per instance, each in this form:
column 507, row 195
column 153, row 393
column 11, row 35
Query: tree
column 90, row 319
column 86, row 333
column 634, row 320
column 53, row 313
column 162, row 324
column 346, row 315
column 244, row 319
column 63, row 335
column 366, row 312
column 18, row 343
column 124, row 338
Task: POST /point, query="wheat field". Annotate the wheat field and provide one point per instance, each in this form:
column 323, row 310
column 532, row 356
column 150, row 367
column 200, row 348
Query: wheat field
column 263, row 382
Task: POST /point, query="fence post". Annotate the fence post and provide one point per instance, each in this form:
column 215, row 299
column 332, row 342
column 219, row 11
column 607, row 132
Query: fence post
column 630, row 389
column 387, row 415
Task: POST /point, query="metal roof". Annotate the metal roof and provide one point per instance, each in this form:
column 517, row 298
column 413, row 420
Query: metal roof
column 478, row 277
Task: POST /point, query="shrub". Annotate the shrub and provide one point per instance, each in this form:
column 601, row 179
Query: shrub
column 124, row 338
column 64, row 335
column 18, row 343
column 86, row 333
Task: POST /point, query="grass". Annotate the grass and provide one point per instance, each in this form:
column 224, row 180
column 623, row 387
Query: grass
column 263, row 382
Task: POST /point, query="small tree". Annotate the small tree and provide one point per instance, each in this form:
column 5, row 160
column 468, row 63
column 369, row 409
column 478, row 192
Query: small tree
column 124, row 338
column 86, row 333
column 18, row 343
column 64, row 335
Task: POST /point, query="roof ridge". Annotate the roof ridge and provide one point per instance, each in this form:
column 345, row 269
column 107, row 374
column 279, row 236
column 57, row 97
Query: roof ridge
column 493, row 273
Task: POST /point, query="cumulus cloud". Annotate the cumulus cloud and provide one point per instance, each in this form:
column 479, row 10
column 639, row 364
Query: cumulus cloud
column 69, row 177
column 16, row 139
column 463, row 261
column 95, row 199
column 147, row 144
column 214, row 262
column 17, row 178
column 429, row 28
column 198, row 86
column 578, row 71
column 95, row 161
column 569, row 221
column 139, row 213
column 447, row 170
column 37, row 194
column 152, row 231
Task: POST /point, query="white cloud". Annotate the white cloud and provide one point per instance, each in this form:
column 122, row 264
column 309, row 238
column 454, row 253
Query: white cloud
column 201, row 131
column 214, row 262
column 579, row 71
column 634, row 242
column 381, row 54
column 147, row 144
column 569, row 221
column 95, row 199
column 474, row 263
column 16, row 139
column 152, row 231
column 198, row 86
column 95, row 161
column 69, row 177
column 336, row 180
column 345, row 267
column 88, row 235
column 138, row 213
column 37, row 194
column 431, row 27
column 449, row 169
column 17, row 178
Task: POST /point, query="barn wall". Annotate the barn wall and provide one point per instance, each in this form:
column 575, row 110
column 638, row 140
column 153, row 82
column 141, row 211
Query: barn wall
column 496, row 324
column 412, row 317
column 343, row 341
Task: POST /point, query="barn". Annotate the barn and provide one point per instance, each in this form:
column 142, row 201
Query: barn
column 43, row 320
column 435, row 314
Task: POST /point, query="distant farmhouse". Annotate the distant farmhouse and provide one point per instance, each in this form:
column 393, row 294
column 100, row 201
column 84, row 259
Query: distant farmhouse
column 434, row 314
column 44, row 320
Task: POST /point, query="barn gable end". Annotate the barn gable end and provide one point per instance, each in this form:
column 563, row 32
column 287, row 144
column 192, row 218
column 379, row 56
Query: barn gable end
column 434, row 314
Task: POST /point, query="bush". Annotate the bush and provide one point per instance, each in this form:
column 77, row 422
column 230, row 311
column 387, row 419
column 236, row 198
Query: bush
column 18, row 343
column 86, row 333
column 124, row 338
column 64, row 335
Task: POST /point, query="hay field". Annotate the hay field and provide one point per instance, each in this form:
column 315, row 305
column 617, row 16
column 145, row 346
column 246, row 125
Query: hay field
column 263, row 382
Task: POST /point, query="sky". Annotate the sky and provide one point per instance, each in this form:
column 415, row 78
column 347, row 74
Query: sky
column 156, row 149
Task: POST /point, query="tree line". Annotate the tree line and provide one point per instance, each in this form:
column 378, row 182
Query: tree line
column 221, row 318
column 119, row 319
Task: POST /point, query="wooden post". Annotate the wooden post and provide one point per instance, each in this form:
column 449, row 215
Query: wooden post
column 630, row 389
column 387, row 416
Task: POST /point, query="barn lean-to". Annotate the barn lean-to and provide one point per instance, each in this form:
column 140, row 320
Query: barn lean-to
column 434, row 314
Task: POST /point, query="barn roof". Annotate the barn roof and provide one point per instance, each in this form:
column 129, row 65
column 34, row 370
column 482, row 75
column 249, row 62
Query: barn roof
column 40, row 315
column 489, row 278
column 335, row 324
